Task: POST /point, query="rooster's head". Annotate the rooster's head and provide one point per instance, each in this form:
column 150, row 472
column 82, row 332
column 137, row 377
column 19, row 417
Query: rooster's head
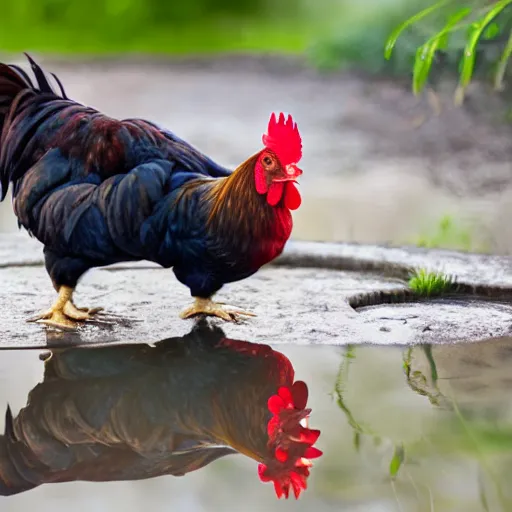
column 290, row 441
column 276, row 168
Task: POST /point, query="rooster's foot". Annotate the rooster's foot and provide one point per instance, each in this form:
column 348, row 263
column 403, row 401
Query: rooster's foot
column 55, row 318
column 64, row 314
column 210, row 308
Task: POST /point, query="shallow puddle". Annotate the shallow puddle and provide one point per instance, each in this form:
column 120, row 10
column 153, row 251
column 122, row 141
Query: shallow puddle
column 402, row 429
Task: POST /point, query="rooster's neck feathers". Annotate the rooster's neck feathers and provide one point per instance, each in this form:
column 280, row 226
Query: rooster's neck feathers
column 242, row 216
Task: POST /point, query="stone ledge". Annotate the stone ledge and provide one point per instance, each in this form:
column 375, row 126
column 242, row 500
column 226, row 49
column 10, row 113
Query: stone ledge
column 469, row 269
column 472, row 270
column 304, row 298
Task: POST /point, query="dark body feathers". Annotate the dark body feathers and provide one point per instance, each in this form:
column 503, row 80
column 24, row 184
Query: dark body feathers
column 96, row 191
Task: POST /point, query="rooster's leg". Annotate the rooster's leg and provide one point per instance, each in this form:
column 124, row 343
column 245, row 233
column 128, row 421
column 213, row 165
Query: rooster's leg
column 64, row 314
column 208, row 307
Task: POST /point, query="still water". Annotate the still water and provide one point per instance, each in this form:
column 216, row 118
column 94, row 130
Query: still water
column 402, row 429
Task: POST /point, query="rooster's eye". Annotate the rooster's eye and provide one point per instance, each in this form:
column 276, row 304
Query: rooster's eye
column 267, row 160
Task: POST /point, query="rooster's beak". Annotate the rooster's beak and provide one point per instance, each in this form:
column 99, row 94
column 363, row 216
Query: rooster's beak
column 292, row 172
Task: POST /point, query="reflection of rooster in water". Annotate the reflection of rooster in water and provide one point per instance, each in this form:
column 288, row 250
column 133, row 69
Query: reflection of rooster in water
column 136, row 412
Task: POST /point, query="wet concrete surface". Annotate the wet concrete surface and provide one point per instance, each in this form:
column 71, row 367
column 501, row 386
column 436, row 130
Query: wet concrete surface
column 303, row 299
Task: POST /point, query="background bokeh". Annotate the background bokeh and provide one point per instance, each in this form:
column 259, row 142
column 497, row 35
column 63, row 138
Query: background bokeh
column 381, row 165
column 160, row 26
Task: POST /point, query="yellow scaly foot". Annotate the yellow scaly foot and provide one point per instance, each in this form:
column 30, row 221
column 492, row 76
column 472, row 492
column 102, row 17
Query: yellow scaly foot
column 208, row 307
column 64, row 314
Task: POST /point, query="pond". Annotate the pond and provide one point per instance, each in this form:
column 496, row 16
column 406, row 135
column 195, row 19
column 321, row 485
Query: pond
column 418, row 428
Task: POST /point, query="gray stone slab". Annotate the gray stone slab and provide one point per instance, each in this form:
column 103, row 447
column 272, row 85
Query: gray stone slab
column 471, row 269
column 302, row 299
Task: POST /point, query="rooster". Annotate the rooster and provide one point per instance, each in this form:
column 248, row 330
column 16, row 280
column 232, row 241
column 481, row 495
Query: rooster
column 97, row 191
column 134, row 412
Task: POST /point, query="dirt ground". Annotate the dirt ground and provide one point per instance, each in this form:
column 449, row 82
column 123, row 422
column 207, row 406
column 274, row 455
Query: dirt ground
column 379, row 164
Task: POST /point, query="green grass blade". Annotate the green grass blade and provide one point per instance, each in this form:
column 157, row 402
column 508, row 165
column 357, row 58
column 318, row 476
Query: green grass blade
column 451, row 24
column 423, row 65
column 502, row 64
column 426, row 53
column 468, row 60
column 392, row 39
column 492, row 31
column 427, row 349
column 396, row 461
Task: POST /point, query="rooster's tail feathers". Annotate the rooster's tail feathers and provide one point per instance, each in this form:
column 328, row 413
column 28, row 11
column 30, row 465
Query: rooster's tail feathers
column 41, row 82
column 14, row 79
column 17, row 87
column 11, row 479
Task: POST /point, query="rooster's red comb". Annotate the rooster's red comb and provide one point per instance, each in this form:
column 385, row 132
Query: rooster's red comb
column 290, row 442
column 283, row 138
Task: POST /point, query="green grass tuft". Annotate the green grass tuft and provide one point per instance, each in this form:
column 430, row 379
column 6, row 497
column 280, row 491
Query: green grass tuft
column 430, row 284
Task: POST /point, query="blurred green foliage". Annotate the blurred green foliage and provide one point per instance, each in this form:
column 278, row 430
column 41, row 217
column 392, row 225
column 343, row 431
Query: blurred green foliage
column 447, row 234
column 332, row 33
column 356, row 38
column 476, row 25
column 428, row 38
column 450, row 233
column 155, row 26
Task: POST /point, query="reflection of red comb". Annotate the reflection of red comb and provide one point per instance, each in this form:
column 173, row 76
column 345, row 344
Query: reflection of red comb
column 283, row 139
column 290, row 441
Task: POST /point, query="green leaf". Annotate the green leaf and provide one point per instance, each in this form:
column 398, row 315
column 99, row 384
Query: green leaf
column 357, row 441
column 422, row 65
column 391, row 41
column 339, row 386
column 502, row 64
column 453, row 20
column 426, row 53
column 476, row 31
column 396, row 461
column 491, row 31
column 468, row 59
column 427, row 349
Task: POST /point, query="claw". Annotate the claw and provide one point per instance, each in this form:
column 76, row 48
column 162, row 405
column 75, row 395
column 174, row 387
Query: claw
column 71, row 311
column 91, row 311
column 55, row 318
column 210, row 308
